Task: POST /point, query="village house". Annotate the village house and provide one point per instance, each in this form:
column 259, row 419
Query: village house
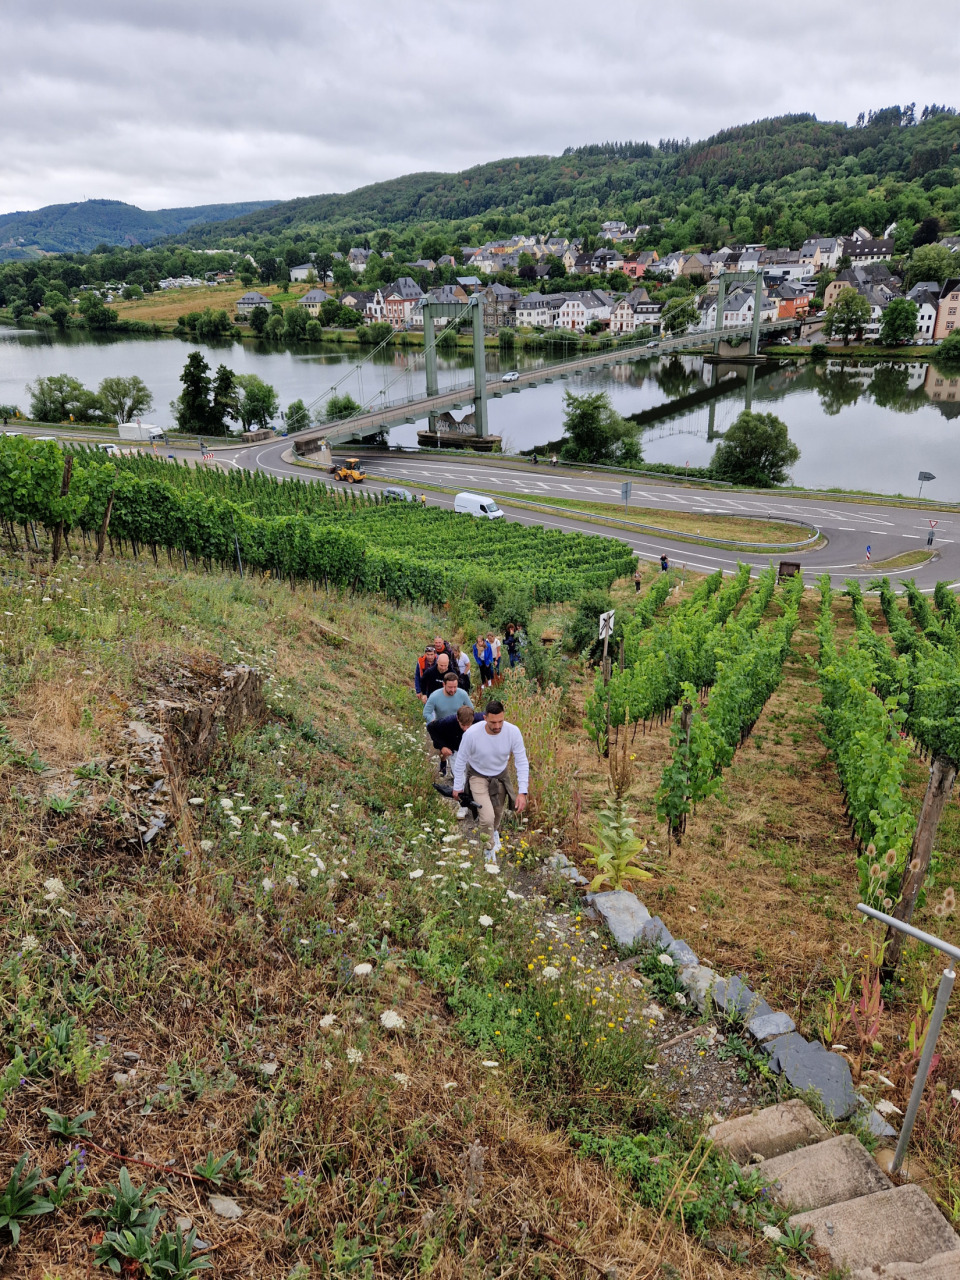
column 441, row 293
column 737, row 309
column 359, row 300
column 357, row 259
column 793, row 299
column 860, row 248
column 538, row 310
column 634, row 312
column 399, row 299
column 251, row 300
column 581, row 309
column 499, row 306
column 858, row 277
column 778, row 265
column 313, row 300
column 926, row 295
column 948, row 310
column 822, row 253
column 637, row 263
column 305, row 271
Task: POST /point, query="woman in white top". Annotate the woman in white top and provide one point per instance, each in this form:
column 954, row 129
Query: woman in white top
column 494, row 643
column 463, row 665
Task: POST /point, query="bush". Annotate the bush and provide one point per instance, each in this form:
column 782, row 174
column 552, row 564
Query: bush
column 581, row 630
column 819, row 351
column 947, row 355
column 314, row 331
column 484, row 590
column 756, row 450
column 514, row 604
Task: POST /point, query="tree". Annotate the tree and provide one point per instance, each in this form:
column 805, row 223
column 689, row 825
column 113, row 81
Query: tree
column 193, row 403
column 273, row 329
column 125, row 398
column 298, row 416
column 60, row 314
column 95, row 313
column 931, row 262
column 258, row 401
column 555, row 269
column 60, row 397
column 899, row 322
column 756, row 450
column 927, row 233
column 224, row 401
column 847, row 316
column 339, row 407
column 313, row 331
column 295, row 323
column 258, row 320
column 592, row 427
column 678, row 315
column 947, row 355
column 342, row 275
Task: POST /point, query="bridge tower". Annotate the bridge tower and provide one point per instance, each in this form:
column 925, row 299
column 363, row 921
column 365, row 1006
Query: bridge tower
column 455, row 311
column 740, row 277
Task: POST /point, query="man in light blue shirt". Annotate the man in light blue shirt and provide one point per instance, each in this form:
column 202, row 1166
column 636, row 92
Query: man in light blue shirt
column 447, row 700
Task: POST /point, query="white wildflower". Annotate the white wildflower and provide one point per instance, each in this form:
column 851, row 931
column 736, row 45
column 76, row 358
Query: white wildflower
column 452, row 839
column 292, row 881
column 54, row 888
column 278, row 835
column 195, row 800
column 550, row 972
column 28, row 943
column 354, row 1056
column 665, row 959
column 772, row 1233
column 392, row 1020
column 225, row 803
column 491, row 868
column 955, row 1094
column 206, row 845
column 361, row 970
column 486, row 921
column 680, row 997
column 402, row 1079
column 314, row 872
column 415, row 875
column 267, row 883
column 489, row 1062
column 451, row 1084
column 328, row 1020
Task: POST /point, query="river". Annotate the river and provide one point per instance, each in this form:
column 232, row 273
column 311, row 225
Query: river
column 869, row 427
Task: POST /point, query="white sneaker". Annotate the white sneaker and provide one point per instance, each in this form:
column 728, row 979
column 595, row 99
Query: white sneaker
column 490, row 855
column 462, row 813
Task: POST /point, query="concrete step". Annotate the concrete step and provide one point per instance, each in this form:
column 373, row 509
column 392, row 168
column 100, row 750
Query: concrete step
column 945, row 1266
column 771, row 1132
column 900, row 1225
column 826, row 1173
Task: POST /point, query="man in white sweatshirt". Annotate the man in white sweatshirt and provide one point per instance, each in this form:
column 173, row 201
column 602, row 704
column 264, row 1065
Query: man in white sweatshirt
column 482, row 761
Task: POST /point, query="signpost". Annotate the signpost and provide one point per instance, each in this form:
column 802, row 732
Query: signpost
column 606, row 631
column 868, row 555
column 625, row 490
column 923, row 477
column 933, row 524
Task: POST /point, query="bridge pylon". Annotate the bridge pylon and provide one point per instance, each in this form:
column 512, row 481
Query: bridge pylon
column 432, row 311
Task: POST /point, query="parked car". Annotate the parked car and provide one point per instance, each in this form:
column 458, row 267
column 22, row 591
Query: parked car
column 653, row 344
column 394, row 493
column 513, row 376
column 477, row 504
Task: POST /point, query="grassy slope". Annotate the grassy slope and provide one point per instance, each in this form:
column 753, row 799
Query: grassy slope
column 182, row 954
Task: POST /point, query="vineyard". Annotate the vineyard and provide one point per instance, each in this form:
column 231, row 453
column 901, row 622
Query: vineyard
column 292, row 529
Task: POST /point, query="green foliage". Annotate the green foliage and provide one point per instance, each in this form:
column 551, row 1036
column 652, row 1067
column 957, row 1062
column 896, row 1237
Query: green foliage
column 930, row 262
column 64, row 1128
column 298, row 416
column 899, row 323
column 22, row 1199
column 313, row 331
column 591, row 426
column 847, row 317
column 258, row 320
column 208, row 325
column 756, row 450
column 212, row 1168
column 257, row 401
column 124, row 399
column 340, row 406
column 205, row 404
column 582, row 629
column 130, row 1207
column 60, row 397
column 946, row 355
column 616, row 851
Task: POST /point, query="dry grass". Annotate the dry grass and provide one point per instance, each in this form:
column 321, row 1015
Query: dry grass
column 164, row 307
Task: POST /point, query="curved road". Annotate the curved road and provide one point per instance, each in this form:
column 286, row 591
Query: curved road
column 848, row 526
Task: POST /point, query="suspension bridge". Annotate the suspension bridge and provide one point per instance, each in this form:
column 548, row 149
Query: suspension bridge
column 383, row 412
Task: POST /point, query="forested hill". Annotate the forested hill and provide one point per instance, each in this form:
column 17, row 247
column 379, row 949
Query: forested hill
column 783, row 178
column 81, row 226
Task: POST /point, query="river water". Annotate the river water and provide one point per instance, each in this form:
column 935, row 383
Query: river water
column 861, row 427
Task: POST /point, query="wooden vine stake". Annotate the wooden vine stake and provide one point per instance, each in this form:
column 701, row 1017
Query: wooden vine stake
column 104, row 526
column 64, row 490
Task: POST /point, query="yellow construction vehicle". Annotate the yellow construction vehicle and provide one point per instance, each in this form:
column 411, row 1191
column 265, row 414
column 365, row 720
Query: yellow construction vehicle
column 350, row 471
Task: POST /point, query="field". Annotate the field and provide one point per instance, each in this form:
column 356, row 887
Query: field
column 164, row 307
column 239, row 927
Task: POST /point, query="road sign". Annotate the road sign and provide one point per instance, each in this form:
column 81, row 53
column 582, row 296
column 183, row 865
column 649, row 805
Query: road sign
column 606, row 624
column 933, row 523
column 926, row 475
column 625, row 490
column 868, row 553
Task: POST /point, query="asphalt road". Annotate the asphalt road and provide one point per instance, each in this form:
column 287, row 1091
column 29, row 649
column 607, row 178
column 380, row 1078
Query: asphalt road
column 849, row 527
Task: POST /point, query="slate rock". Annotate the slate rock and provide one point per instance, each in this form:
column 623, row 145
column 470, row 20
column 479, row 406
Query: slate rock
column 623, row 913
column 813, row 1067
column 657, row 932
column 684, row 955
column 699, row 981
column 871, row 1119
column 779, row 1045
column 732, row 996
column 763, row 1026
column 225, row 1207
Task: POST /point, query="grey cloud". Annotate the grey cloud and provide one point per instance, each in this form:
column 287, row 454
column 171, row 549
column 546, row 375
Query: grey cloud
column 165, row 102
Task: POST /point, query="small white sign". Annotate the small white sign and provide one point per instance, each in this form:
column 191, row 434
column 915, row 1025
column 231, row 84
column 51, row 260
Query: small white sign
column 606, row 624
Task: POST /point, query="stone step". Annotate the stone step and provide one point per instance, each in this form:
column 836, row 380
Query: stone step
column 825, row 1173
column 945, row 1266
column 900, row 1225
column 771, row 1132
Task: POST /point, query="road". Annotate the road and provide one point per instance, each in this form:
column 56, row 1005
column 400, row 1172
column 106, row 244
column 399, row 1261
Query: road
column 849, row 527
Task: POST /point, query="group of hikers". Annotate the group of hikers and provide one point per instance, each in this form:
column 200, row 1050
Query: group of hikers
column 476, row 746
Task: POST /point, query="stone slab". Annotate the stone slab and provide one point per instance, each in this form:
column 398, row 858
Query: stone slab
column 698, row 980
column 945, row 1266
column 811, row 1066
column 656, row 931
column 900, row 1225
column 684, row 955
column 871, row 1119
column 764, row 1026
column 733, row 997
column 826, row 1173
column 788, row 1126
column 778, row 1046
column 623, row 913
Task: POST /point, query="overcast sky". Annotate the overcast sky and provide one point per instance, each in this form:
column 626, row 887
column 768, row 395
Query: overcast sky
column 180, row 102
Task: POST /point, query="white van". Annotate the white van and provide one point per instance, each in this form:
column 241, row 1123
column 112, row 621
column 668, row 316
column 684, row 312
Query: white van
column 476, row 504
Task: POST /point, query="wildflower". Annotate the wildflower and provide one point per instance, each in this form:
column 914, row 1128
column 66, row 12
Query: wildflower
column 361, row 970
column 491, row 869
column 206, row 845
column 54, row 888
column 550, row 972
column 451, row 1084
column 267, row 883
column 28, row 943
column 278, row 835
column 225, row 803
column 402, row 1079
column 665, row 959
column 486, row 921
column 415, row 875
column 392, row 1021
column 490, row 1062
column 292, row 881
column 772, row 1233
column 195, row 800
column 328, row 1020
column 890, row 857
column 680, row 997
column 955, row 1094
column 354, row 1056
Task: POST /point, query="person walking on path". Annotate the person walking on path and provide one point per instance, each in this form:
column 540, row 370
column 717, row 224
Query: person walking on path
column 494, row 642
column 424, row 665
column 484, row 656
column 638, row 576
column 664, row 563
column 443, row 646
column 446, row 735
column 482, row 760
column 512, row 640
column 462, row 663
column 447, row 700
